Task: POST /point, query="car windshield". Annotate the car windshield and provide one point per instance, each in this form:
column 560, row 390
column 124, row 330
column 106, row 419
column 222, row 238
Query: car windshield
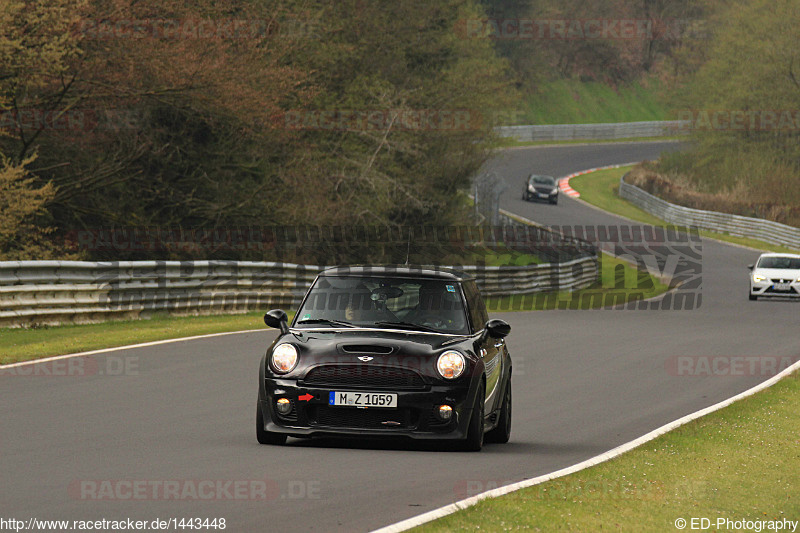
column 384, row 302
column 780, row 262
column 543, row 180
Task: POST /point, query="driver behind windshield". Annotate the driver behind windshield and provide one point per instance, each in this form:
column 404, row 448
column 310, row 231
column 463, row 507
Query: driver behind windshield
column 364, row 306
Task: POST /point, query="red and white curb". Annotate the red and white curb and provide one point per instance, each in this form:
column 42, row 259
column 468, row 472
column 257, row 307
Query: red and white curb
column 563, row 183
column 619, row 450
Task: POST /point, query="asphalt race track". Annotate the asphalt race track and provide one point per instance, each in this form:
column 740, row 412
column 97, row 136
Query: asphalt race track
column 183, row 413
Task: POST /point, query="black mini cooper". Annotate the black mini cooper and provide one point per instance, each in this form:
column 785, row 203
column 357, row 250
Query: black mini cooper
column 387, row 351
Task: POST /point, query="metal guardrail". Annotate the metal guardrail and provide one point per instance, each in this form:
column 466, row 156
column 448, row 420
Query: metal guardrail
column 571, row 132
column 56, row 292
column 757, row 228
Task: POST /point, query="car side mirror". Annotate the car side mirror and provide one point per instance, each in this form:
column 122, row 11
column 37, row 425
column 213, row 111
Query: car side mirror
column 750, row 267
column 497, row 329
column 278, row 319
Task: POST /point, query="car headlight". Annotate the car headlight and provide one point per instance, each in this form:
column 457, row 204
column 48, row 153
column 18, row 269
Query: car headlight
column 531, row 188
column 758, row 277
column 451, row 364
column 284, row 358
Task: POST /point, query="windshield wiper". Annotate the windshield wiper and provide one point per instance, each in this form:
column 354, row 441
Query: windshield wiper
column 326, row 321
column 408, row 325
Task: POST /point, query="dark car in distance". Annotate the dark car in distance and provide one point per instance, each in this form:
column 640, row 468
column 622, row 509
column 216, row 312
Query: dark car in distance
column 541, row 188
column 387, row 351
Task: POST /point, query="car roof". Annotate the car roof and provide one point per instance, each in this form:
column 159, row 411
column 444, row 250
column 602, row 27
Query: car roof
column 400, row 271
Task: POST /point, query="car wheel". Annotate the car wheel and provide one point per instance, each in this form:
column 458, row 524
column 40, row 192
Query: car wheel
column 502, row 432
column 264, row 436
column 554, row 202
column 474, row 440
column 753, row 296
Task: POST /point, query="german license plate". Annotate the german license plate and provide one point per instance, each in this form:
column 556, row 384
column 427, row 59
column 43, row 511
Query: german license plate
column 362, row 399
column 783, row 286
column 543, row 195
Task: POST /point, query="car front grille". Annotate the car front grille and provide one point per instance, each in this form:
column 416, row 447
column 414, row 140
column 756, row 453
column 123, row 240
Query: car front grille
column 364, row 376
column 353, row 417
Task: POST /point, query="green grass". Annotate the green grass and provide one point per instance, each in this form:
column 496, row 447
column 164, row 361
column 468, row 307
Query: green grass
column 612, row 289
column 601, row 188
column 742, row 462
column 25, row 344
column 576, row 102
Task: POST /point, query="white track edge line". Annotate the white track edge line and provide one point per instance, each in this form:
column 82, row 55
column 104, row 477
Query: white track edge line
column 126, row 347
column 615, row 452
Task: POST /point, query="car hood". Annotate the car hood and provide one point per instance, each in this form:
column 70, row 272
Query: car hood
column 361, row 340
column 778, row 273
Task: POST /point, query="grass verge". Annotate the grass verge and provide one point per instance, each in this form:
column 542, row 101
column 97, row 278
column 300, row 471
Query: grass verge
column 34, row 343
column 739, row 463
column 601, row 188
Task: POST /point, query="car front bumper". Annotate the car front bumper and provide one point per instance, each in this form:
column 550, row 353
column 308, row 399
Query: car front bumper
column 770, row 288
column 544, row 196
column 415, row 415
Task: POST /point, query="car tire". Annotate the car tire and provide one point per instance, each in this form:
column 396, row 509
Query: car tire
column 502, row 433
column 554, row 202
column 474, row 440
column 264, row 436
column 753, row 297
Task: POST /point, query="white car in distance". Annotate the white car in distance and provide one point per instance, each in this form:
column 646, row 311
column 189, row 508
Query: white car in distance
column 775, row 275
